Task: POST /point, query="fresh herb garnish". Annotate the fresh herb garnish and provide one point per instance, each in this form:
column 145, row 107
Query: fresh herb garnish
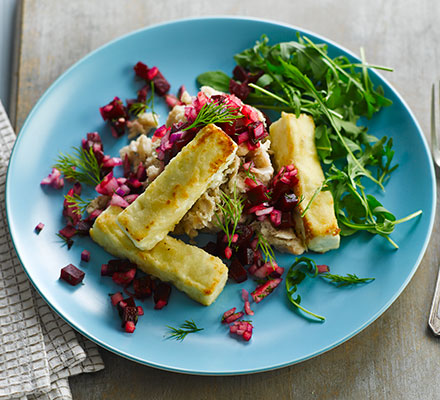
column 231, row 210
column 295, row 276
column 181, row 332
column 300, row 77
column 66, row 241
column 139, row 107
column 349, row 279
column 304, row 266
column 78, row 204
column 266, row 249
column 214, row 113
column 81, row 166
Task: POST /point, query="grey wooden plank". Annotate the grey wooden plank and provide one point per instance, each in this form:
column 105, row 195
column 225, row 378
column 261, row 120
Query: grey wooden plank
column 395, row 357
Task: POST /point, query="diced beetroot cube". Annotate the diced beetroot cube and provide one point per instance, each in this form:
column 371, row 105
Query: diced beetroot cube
column 237, row 272
column 247, row 336
column 287, row 221
column 241, row 90
column 130, row 327
column 211, row 248
column 141, row 70
column 265, row 289
column 143, row 287
column 39, row 227
column 233, row 317
column 323, row 268
column 118, row 265
column 116, row 298
column 161, row 85
column 245, row 255
column 228, row 313
column 287, row 202
column 130, row 314
column 124, row 278
column 151, row 73
column 54, row 179
column 85, row 255
column 228, row 252
column 113, row 110
column 240, row 73
column 257, row 131
column 68, row 231
column 161, row 295
column 257, row 195
column 140, row 310
column 72, row 275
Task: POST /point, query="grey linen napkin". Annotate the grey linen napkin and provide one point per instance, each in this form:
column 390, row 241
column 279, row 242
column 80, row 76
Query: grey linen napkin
column 38, row 350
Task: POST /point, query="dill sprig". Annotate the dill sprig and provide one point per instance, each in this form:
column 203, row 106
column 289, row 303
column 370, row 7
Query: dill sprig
column 81, row 166
column 231, row 209
column 140, row 107
column 214, row 113
column 349, row 279
column 266, row 249
column 181, row 332
column 66, row 241
column 78, row 204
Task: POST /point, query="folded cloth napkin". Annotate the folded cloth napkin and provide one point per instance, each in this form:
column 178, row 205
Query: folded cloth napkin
column 38, row 350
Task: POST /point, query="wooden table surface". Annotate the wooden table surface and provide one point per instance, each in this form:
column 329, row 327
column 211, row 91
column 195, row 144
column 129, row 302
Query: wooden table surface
column 394, row 358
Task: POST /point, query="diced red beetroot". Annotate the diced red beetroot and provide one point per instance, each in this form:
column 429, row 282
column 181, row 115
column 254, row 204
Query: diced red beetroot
column 142, row 93
column 116, row 298
column 130, row 327
column 172, row 101
column 233, row 317
column 237, row 271
column 54, row 179
column 113, row 110
column 85, row 255
column 122, row 190
column 275, row 217
column 118, row 265
column 83, row 226
column 243, row 137
column 265, row 289
column 287, row 221
column 140, row 310
column 228, row 252
column 141, row 172
column 126, row 166
column 250, row 114
column 245, row 255
column 269, row 269
column 151, row 73
column 160, row 132
column 257, row 131
column 287, row 202
column 247, row 308
column 130, row 314
column 241, row 90
column 72, row 275
column 141, row 70
column 39, row 227
column 130, row 198
column 68, row 231
column 119, row 201
column 161, row 295
column 250, row 182
column 133, row 183
column 247, row 336
column 161, row 85
column 108, row 185
column 110, row 162
column 227, row 314
column 180, row 92
column 117, row 127
column 257, row 195
column 143, row 287
column 240, row 73
column 323, row 268
column 124, row 278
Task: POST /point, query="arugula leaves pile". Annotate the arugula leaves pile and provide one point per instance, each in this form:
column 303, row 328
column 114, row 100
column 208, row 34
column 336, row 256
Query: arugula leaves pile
column 300, row 77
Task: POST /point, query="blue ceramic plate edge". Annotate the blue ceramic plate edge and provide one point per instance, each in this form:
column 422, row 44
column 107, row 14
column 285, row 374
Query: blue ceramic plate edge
column 273, row 367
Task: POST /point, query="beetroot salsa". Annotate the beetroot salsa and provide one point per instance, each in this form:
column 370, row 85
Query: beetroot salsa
column 245, row 250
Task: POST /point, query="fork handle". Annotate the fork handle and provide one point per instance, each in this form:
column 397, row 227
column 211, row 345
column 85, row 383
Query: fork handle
column 434, row 317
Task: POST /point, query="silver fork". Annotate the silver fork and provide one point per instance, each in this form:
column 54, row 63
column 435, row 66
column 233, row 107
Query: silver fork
column 434, row 314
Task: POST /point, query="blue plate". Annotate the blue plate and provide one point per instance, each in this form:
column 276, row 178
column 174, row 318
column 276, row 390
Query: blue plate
column 182, row 50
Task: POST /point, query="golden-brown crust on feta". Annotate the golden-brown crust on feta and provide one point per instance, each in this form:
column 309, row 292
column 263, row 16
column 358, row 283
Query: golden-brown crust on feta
column 192, row 270
column 293, row 142
column 188, row 175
